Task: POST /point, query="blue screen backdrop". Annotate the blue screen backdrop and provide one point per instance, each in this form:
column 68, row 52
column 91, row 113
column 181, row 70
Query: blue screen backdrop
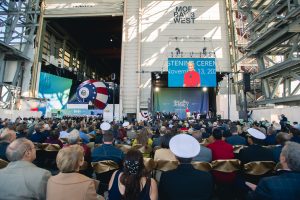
column 206, row 67
column 56, row 89
column 176, row 100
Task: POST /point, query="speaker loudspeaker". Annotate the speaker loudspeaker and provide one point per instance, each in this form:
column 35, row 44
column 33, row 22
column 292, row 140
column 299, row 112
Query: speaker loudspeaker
column 246, row 81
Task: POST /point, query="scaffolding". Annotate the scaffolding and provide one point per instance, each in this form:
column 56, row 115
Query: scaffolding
column 265, row 37
column 18, row 25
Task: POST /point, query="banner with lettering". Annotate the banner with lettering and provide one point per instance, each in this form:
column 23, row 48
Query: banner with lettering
column 184, row 15
column 192, row 72
column 176, row 100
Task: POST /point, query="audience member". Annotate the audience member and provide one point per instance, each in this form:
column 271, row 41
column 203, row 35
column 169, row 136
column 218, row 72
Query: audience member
column 157, row 140
column 132, row 183
column 82, row 134
column 39, row 135
column 235, row 138
column 281, row 139
column 63, row 133
column 53, row 138
column 144, row 140
column 21, row 130
column 107, row 151
column 185, row 182
column 69, row 184
column 7, row 137
column 221, row 150
column 21, row 179
column 271, row 134
column 284, row 186
column 295, row 134
column 74, row 139
column 205, row 154
column 164, row 153
column 255, row 152
column 131, row 133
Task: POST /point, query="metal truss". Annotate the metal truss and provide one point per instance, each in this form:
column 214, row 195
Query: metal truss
column 273, row 27
column 9, row 96
column 18, row 24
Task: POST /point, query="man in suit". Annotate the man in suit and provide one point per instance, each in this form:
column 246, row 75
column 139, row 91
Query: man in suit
column 185, row 182
column 255, row 152
column 235, row 139
column 281, row 139
column 286, row 185
column 21, row 179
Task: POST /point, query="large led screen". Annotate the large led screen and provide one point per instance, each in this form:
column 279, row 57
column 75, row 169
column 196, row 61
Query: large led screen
column 176, row 100
column 191, row 72
column 56, row 89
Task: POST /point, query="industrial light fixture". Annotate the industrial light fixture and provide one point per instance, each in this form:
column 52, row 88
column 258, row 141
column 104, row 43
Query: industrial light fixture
column 177, row 50
column 157, row 76
column 204, row 50
column 156, row 89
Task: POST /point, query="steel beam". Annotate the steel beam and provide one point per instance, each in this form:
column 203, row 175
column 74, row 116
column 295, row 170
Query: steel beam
column 266, row 88
column 2, row 66
column 279, row 100
column 278, row 68
column 295, row 41
column 278, row 82
column 286, row 87
column 260, row 62
column 296, row 90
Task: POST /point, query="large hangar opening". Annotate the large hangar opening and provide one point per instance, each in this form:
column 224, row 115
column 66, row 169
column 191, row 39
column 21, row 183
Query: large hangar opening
column 83, row 48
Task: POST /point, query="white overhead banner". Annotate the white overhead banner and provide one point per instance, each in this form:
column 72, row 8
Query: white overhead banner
column 74, row 8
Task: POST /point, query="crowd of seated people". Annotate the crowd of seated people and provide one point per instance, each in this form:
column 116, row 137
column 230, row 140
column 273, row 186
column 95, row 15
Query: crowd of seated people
column 82, row 141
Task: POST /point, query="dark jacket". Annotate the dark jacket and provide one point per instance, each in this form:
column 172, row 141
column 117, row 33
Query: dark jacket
column 283, row 187
column 38, row 137
column 276, row 153
column 107, row 152
column 255, row 153
column 236, row 140
column 3, row 147
column 186, row 183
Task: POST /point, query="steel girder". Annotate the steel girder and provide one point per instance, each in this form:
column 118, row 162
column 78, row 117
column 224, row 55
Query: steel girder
column 274, row 29
column 18, row 24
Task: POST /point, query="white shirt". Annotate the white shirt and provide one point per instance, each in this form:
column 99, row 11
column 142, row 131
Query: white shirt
column 63, row 134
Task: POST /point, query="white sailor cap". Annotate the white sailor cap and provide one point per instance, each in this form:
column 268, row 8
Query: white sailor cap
column 256, row 133
column 105, row 126
column 184, row 146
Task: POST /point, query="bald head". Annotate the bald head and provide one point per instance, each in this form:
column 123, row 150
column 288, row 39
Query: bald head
column 18, row 148
column 8, row 135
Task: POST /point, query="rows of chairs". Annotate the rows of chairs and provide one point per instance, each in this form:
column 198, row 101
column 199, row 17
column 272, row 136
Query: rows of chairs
column 229, row 165
column 104, row 169
column 49, row 151
column 237, row 148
